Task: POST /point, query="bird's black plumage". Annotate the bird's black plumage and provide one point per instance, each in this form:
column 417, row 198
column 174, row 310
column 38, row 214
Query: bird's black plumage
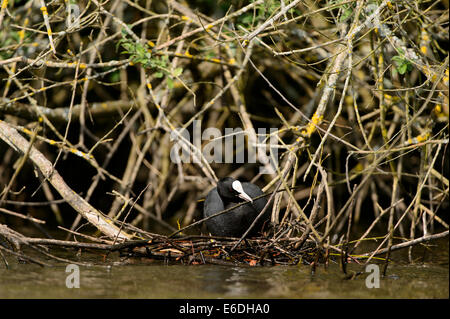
column 235, row 222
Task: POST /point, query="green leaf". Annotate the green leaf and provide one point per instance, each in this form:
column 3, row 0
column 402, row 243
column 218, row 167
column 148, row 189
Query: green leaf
column 15, row 36
column 295, row 11
column 346, row 14
column 158, row 75
column 403, row 68
column 127, row 46
column 169, row 82
column 247, row 19
column 410, row 67
column 397, row 59
column 118, row 44
column 402, row 64
column 140, row 50
column 394, row 71
column 115, row 77
column 177, row 72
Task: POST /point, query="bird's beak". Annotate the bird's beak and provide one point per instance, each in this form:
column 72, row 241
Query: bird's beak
column 244, row 196
column 237, row 186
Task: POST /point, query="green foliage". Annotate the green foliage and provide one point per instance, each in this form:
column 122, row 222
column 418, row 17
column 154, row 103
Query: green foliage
column 177, row 72
column 9, row 37
column 267, row 8
column 401, row 64
column 346, row 10
column 142, row 54
column 264, row 11
column 138, row 52
column 114, row 77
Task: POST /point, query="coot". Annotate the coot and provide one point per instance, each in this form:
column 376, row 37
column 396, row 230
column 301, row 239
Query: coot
column 228, row 193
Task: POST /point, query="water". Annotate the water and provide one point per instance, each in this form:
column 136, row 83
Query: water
column 428, row 279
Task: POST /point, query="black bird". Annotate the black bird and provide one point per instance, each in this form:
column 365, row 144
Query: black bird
column 228, row 193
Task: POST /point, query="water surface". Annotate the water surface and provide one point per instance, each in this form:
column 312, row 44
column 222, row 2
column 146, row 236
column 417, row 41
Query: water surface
column 429, row 279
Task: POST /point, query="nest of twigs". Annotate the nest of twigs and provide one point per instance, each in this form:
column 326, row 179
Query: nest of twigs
column 184, row 249
column 193, row 250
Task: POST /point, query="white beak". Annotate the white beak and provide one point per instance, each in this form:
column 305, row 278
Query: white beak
column 237, row 186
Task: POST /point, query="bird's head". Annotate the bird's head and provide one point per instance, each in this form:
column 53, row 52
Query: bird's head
column 231, row 188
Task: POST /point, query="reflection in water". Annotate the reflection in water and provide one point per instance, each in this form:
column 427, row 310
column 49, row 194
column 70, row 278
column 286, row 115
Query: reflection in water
column 237, row 283
column 232, row 282
column 214, row 277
